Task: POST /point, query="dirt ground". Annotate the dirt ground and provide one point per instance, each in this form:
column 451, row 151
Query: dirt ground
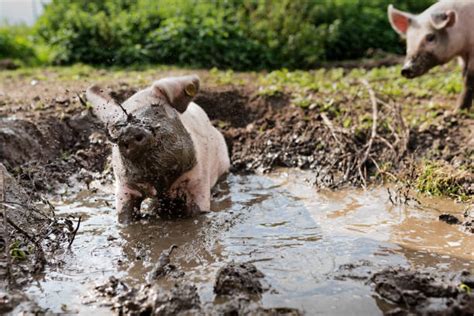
column 50, row 139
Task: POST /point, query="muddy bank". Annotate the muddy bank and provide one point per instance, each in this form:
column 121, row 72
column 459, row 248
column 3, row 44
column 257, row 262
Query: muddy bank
column 50, row 151
column 263, row 132
column 30, row 238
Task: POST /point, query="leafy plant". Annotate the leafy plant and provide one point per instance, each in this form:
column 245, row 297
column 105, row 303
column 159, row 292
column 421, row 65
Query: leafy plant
column 237, row 34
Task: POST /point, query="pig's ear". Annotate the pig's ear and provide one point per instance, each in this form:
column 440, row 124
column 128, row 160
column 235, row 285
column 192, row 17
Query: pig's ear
column 178, row 91
column 443, row 19
column 104, row 107
column 399, row 20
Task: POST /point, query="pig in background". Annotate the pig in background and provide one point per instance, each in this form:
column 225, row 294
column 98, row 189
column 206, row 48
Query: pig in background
column 442, row 32
column 164, row 147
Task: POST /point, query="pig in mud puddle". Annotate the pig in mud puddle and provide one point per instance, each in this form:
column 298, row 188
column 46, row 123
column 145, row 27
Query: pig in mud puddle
column 312, row 251
column 436, row 36
column 165, row 148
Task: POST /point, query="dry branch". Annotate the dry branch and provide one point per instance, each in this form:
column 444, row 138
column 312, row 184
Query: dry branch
column 369, row 144
column 75, row 232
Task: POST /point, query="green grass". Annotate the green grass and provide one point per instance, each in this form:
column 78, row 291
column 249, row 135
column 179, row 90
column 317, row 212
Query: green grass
column 336, row 91
column 438, row 178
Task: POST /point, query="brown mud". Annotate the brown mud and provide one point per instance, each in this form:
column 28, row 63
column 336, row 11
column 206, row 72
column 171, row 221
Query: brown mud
column 235, row 287
column 425, row 293
column 263, row 133
column 52, row 144
column 30, row 238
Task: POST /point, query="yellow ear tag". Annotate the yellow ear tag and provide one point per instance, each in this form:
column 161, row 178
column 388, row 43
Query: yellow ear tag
column 190, row 90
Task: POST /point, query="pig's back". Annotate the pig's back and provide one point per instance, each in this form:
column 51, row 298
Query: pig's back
column 211, row 149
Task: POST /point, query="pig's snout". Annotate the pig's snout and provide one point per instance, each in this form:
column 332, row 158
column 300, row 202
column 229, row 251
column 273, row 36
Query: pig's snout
column 408, row 71
column 133, row 140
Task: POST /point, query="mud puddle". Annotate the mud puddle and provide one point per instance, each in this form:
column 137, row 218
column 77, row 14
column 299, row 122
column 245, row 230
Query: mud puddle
column 316, row 249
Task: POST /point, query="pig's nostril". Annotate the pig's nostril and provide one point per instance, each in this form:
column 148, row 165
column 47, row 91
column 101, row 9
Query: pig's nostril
column 406, row 72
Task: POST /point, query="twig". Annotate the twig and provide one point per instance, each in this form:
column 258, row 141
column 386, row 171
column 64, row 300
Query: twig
column 75, row 232
column 20, row 230
column 390, row 196
column 380, row 171
column 5, row 225
column 386, row 143
column 163, row 261
column 81, row 100
column 329, row 124
column 373, row 100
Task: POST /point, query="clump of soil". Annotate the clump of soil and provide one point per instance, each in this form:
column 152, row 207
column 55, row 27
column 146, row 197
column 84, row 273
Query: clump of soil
column 467, row 222
column 360, row 271
column 412, row 291
column 242, row 305
column 449, row 219
column 236, row 285
column 238, row 278
column 150, row 300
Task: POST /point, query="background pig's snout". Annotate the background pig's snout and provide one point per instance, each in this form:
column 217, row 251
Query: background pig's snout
column 133, row 140
column 408, row 71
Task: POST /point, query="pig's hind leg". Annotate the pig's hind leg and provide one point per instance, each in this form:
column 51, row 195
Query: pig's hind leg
column 128, row 202
column 465, row 99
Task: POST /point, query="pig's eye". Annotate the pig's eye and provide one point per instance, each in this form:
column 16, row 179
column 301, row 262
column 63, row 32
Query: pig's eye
column 430, row 37
column 139, row 138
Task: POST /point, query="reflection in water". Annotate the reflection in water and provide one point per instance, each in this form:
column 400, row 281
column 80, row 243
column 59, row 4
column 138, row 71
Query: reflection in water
column 297, row 236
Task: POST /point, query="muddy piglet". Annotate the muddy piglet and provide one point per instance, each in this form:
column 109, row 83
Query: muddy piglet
column 164, row 146
column 443, row 31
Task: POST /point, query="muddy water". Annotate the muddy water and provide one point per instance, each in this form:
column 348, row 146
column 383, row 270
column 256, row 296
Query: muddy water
column 299, row 238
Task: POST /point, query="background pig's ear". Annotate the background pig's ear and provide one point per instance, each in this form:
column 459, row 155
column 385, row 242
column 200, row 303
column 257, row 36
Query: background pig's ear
column 104, row 107
column 443, row 19
column 178, row 91
column 399, row 20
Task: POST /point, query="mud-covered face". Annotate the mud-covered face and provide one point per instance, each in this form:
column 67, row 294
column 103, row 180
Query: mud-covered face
column 152, row 133
column 427, row 39
column 425, row 50
column 153, row 144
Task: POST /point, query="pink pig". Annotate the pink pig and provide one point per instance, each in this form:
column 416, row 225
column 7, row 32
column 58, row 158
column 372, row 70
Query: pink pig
column 164, row 147
column 440, row 33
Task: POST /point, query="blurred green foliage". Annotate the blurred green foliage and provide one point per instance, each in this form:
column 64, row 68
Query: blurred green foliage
column 16, row 44
column 238, row 34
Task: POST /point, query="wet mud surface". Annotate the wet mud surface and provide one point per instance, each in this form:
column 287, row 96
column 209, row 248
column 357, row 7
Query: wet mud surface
column 425, row 292
column 273, row 243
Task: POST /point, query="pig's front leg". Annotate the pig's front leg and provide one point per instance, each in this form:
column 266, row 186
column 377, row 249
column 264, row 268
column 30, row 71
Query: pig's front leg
column 465, row 99
column 128, row 202
column 199, row 198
